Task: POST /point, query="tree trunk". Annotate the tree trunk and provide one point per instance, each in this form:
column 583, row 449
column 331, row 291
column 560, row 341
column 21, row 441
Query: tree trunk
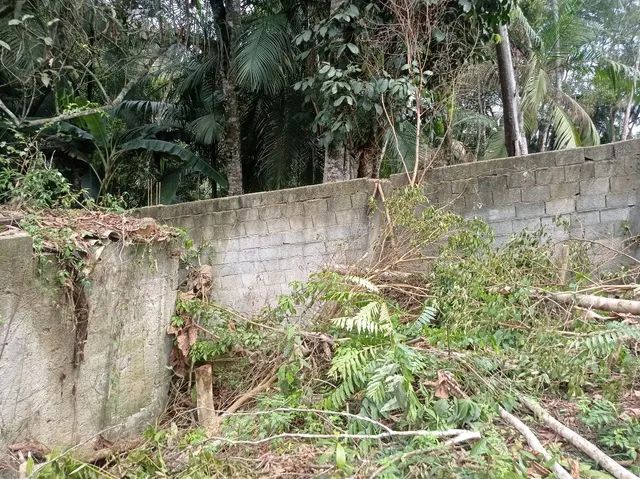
column 225, row 18
column 513, row 137
column 337, row 164
column 557, row 74
column 231, row 144
column 337, row 161
column 625, row 131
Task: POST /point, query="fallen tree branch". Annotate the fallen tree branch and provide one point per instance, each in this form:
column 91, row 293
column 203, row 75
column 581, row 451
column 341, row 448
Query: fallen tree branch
column 597, row 302
column 460, row 434
column 587, row 447
column 534, row 443
column 216, row 421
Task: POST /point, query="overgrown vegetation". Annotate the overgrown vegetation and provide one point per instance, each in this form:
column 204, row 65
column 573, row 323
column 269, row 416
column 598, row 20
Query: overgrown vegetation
column 351, row 373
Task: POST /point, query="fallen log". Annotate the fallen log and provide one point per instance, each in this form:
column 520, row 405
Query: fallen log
column 587, row 447
column 597, row 302
column 534, row 443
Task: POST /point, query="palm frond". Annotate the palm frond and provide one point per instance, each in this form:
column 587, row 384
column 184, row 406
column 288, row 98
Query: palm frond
column 263, row 57
column 496, row 147
column 519, row 17
column 533, row 96
column 564, row 133
column 586, row 131
column 207, row 129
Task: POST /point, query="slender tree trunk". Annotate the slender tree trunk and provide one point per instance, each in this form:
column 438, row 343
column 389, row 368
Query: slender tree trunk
column 555, row 9
column 337, row 162
column 513, row 137
column 625, row 130
column 225, row 17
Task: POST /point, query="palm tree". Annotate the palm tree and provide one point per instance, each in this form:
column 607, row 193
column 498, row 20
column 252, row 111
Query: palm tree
column 553, row 118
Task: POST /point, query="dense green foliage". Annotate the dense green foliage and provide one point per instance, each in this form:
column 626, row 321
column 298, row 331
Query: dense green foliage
column 156, row 101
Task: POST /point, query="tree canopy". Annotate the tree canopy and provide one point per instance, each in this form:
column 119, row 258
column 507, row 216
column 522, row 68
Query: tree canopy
column 158, row 101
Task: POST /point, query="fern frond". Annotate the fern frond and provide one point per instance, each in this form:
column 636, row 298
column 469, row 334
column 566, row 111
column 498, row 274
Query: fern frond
column 363, row 283
column 376, row 388
column 427, row 316
column 363, row 322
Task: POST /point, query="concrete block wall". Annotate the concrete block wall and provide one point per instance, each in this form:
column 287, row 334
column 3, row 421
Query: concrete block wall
column 258, row 243
column 593, row 189
column 121, row 385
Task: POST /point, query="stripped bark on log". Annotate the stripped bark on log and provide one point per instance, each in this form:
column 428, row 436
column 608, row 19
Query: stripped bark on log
column 534, row 443
column 587, row 447
column 598, row 302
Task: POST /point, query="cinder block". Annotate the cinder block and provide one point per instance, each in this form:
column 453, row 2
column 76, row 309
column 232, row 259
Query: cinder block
column 569, row 157
column 520, row 179
column 315, row 207
column 254, row 228
column 352, row 217
column 584, row 171
column 500, row 213
column 459, row 186
column 300, row 223
column 278, row 225
column 627, row 150
column 590, row 202
column 588, row 218
column 596, row 186
column 623, row 184
column 572, row 173
column 313, row 249
column 616, row 200
column 565, row 190
column 526, row 210
column 247, row 214
column 293, row 209
column 360, row 199
column 507, row 196
column 617, row 214
column 325, row 219
column 272, row 278
column 477, row 199
column 536, row 193
column 271, row 211
column 599, row 153
column 341, row 232
column 531, row 224
column 607, row 168
column 339, row 203
column 548, row 176
column 492, row 183
column 599, row 231
column 270, row 253
column 230, row 282
column 502, row 227
column 559, row 207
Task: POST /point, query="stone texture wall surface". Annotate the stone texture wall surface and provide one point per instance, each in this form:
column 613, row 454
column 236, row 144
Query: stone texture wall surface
column 593, row 190
column 121, row 385
column 258, row 243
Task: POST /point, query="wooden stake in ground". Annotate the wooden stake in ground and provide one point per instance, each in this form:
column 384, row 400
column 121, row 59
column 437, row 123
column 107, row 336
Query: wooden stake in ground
column 204, row 392
column 564, row 264
column 590, row 449
column 534, row 443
